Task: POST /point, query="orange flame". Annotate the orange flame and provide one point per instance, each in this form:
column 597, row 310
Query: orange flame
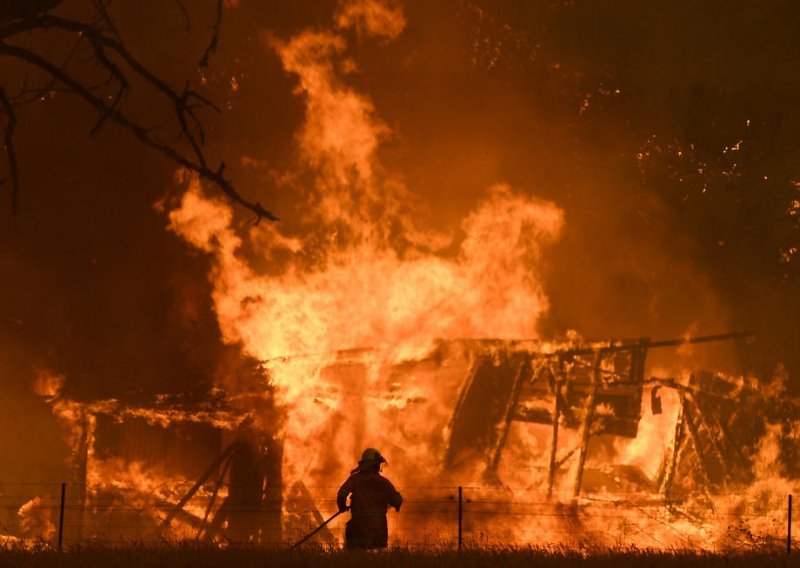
column 352, row 303
column 364, row 274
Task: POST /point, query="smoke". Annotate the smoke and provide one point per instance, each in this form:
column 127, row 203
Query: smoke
column 371, row 18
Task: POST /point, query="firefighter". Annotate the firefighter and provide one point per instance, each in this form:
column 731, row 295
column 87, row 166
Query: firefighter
column 371, row 494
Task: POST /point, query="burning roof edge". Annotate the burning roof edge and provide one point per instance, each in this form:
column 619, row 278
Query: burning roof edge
column 545, row 348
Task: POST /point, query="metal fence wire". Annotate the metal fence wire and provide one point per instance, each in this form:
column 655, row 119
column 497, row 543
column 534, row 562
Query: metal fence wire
column 444, row 517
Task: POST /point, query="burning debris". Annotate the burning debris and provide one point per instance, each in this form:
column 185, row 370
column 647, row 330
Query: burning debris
column 598, row 391
column 134, row 466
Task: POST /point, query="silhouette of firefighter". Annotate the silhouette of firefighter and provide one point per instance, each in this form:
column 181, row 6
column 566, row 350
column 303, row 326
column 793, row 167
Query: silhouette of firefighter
column 371, row 494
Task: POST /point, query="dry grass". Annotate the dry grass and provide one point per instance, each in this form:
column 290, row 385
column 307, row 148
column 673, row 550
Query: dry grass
column 178, row 556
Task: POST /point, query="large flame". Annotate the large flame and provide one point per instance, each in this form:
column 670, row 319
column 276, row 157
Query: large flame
column 363, row 272
column 366, row 295
column 344, row 308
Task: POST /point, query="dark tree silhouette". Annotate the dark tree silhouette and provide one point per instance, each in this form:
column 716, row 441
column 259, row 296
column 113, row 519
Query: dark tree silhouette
column 99, row 38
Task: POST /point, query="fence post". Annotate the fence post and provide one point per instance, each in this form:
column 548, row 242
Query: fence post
column 61, row 515
column 460, row 512
column 789, row 527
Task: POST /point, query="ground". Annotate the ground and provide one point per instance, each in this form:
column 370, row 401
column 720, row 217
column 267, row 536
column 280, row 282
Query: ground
column 202, row 556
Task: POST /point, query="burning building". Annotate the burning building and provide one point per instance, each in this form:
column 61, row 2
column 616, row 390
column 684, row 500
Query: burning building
column 364, row 320
column 564, row 416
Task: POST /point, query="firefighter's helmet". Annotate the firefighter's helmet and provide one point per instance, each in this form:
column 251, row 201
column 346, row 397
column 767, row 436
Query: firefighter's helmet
column 371, row 456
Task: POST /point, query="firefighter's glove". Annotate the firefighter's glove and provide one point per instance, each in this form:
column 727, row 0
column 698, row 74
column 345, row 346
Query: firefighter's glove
column 343, row 508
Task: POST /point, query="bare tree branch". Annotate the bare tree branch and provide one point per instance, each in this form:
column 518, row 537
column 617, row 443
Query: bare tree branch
column 183, row 110
column 185, row 13
column 101, row 6
column 28, row 95
column 107, row 50
column 111, row 111
column 212, row 45
column 8, row 140
column 115, row 74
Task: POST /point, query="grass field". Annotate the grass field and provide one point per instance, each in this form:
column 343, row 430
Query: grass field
column 203, row 556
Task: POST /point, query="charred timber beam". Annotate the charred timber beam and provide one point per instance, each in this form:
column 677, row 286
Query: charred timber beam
column 273, row 494
column 551, row 474
column 566, row 456
column 676, row 449
column 691, row 427
column 215, row 527
column 510, row 412
column 563, row 459
column 217, row 485
column 686, row 341
column 302, row 492
column 462, row 397
column 702, row 425
column 203, row 478
column 80, row 466
column 587, row 423
column 645, row 344
column 473, row 370
column 183, row 515
column 531, row 346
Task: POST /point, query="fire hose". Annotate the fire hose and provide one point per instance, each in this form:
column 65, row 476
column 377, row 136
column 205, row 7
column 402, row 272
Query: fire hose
column 316, row 530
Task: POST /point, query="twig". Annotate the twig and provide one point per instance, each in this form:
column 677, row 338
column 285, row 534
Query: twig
column 212, row 45
column 184, row 112
column 8, row 138
column 101, row 7
column 185, row 13
column 115, row 73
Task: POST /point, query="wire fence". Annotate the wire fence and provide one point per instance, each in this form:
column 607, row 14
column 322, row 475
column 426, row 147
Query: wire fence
column 440, row 517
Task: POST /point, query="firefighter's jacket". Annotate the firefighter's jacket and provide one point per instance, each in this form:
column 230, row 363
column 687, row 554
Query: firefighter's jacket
column 371, row 494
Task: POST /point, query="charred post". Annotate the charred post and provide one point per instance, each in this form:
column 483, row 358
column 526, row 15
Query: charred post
column 586, row 429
